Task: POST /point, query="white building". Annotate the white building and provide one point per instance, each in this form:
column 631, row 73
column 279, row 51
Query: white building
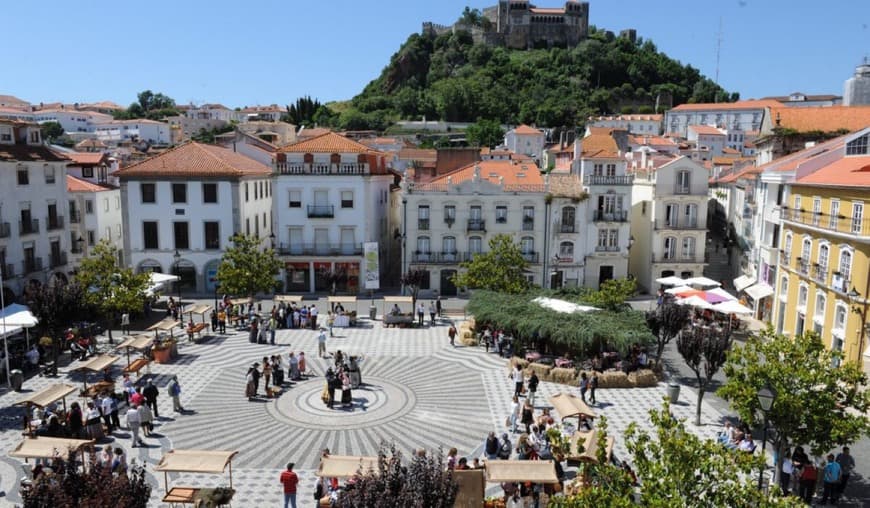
column 708, row 139
column 72, row 120
column 331, row 196
column 668, row 221
column 182, row 207
column 526, row 140
column 94, row 209
column 639, row 124
column 34, row 235
column 741, row 115
column 138, row 130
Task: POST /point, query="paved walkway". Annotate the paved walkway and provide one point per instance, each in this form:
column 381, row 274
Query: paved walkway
column 419, row 392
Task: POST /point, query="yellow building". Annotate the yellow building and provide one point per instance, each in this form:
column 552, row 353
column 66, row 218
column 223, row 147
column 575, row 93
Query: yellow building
column 823, row 281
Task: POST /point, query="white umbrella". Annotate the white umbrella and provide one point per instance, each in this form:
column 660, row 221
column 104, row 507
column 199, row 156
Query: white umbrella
column 695, row 301
column 702, row 281
column 671, row 280
column 16, row 314
column 732, row 307
column 679, row 289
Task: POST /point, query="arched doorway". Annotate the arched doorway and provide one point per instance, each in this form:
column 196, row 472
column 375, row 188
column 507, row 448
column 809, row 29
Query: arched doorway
column 186, row 271
column 447, row 286
column 210, row 275
column 149, row 265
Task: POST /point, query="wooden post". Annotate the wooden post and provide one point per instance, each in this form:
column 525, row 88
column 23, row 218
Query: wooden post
column 231, row 473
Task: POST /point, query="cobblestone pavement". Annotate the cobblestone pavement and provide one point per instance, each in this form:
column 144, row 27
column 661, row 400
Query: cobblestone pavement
column 418, row 392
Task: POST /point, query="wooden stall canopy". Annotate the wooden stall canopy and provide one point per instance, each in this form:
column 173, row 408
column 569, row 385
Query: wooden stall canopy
column 195, row 461
column 241, row 301
column 568, row 405
column 288, row 298
column 341, row 299
column 165, row 325
column 590, row 440
column 537, row 471
column 200, row 309
column 48, row 395
column 47, row 447
column 345, row 466
column 137, row 342
column 98, row 363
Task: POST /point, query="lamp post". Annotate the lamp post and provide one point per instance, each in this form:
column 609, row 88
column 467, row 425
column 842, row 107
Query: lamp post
column 766, row 397
column 177, row 258
column 404, row 235
column 855, row 297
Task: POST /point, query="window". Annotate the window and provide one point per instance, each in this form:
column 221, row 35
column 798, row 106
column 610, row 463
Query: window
column 598, row 169
column 803, row 293
column 819, row 310
column 476, row 213
column 105, row 204
column 449, row 214
column 566, row 250
column 92, row 237
column 670, row 248
column 817, row 211
column 858, row 218
column 448, row 246
column 295, row 199
column 108, row 235
column 182, row 240
column 179, row 193
column 786, row 248
column 423, row 245
column 49, row 174
column 211, row 231
column 612, row 239
column 246, row 192
column 840, row 318
column 256, row 192
column 858, row 146
column 671, row 214
column 248, row 226
column 209, row 193
column 501, row 214
column 423, row 217
column 835, row 214
column 689, row 248
column 475, row 245
column 783, row 287
column 824, row 252
column 87, row 172
column 602, row 238
column 34, row 137
column 527, row 245
column 347, row 199
column 117, row 231
column 23, row 176
column 611, row 170
column 89, row 206
column 683, row 182
column 691, row 216
column 117, row 202
column 797, row 203
column 149, row 192
column 149, row 235
column 805, row 250
column 845, row 268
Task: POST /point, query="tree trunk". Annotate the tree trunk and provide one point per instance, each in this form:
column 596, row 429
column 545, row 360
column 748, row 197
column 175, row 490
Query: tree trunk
column 777, row 465
column 109, row 322
column 701, row 389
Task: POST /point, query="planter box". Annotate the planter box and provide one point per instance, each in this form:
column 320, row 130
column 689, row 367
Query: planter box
column 162, row 355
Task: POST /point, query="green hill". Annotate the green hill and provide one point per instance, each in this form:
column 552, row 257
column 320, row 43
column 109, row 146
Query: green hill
column 449, row 77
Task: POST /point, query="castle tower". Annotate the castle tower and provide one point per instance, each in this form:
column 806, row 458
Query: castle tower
column 857, row 89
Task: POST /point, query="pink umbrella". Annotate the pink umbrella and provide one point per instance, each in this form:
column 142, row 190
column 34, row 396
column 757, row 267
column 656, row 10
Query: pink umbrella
column 713, row 297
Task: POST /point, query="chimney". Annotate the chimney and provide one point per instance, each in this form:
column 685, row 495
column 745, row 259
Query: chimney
column 578, row 148
column 643, row 156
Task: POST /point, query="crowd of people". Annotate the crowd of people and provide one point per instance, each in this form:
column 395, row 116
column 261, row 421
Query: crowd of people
column 271, row 370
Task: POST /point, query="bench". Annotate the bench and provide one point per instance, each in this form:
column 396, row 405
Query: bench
column 196, row 329
column 136, row 366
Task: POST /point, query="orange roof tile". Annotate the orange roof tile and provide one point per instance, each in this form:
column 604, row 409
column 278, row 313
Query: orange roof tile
column 526, row 130
column 195, row 160
column 723, row 161
column 327, row 143
column 651, row 140
column 852, row 171
column 599, row 144
column 730, row 150
column 706, row 130
column 312, row 132
column 822, row 118
column 513, row 172
column 74, row 184
column 420, row 154
column 793, row 160
column 86, row 158
column 726, row 106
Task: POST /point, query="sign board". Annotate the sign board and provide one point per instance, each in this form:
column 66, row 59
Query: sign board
column 373, row 271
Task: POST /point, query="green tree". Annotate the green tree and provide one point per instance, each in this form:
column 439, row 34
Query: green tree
column 247, row 269
column 820, row 402
column 412, row 280
column 612, row 294
column 704, row 350
column 51, row 130
column 109, row 288
column 502, row 269
column 150, row 105
column 665, row 323
column 56, row 305
column 304, row 111
column 484, row 133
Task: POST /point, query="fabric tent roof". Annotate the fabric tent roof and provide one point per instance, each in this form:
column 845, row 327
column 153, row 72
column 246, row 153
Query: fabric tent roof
column 136, row 342
column 759, row 291
column 341, row 299
column 398, row 299
column 567, row 404
column 562, row 305
column 6, row 331
column 288, row 298
column 537, row 471
column 695, row 301
column 721, row 292
column 702, row 281
column 590, row 441
column 197, row 309
column 18, row 315
column 672, row 280
column 743, row 282
column 679, row 289
column 345, row 466
column 164, row 325
column 732, row 307
column 241, row 301
column 46, row 447
column 195, row 461
column 98, row 363
column 48, row 395
column 158, row 280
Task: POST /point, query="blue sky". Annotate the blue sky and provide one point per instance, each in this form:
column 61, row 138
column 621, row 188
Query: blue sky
column 272, row 51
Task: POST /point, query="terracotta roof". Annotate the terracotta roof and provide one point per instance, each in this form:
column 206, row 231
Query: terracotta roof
column 629, row 118
column 791, row 161
column 852, row 171
column 102, row 105
column 706, row 130
column 723, row 161
column 29, row 153
column 513, row 172
column 11, row 99
column 90, row 143
column 730, row 150
column 569, row 186
column 74, row 184
column 725, row 106
column 195, row 160
column 327, row 143
column 86, row 158
column 747, row 172
column 378, row 141
column 821, row 118
column 526, row 130
column 599, row 144
column 651, row 140
column 418, row 154
column 787, row 98
column 312, row 132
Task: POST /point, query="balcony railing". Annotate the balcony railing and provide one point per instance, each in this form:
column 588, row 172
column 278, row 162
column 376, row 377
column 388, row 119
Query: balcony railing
column 321, row 211
column 568, row 227
column 57, row 259
column 802, row 266
column 608, row 180
column 679, row 225
column 344, row 168
column 605, row 216
column 54, row 222
column 423, row 224
column 784, row 258
column 528, row 224
column 476, row 225
column 530, row 257
column 320, row 249
column 5, row 230
column 28, row 227
column 501, row 220
column 819, row 273
column 677, row 259
column 837, row 224
column 32, row 265
column 607, row 248
column 75, row 217
column 436, row 258
column 682, row 189
column 449, row 221
column 77, row 248
column 8, row 270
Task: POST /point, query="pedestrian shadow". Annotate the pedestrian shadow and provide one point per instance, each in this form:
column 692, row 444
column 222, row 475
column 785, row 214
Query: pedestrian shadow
column 602, row 405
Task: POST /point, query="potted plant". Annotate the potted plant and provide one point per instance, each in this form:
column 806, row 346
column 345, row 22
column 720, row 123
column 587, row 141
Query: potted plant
column 162, row 350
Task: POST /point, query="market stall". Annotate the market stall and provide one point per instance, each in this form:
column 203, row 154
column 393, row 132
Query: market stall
column 345, row 466
column 288, row 298
column 535, row 471
column 590, row 441
column 50, row 447
column 568, row 405
column 138, row 343
column 197, row 328
column 196, row 461
column 96, row 365
column 341, row 306
column 46, row 397
column 405, row 315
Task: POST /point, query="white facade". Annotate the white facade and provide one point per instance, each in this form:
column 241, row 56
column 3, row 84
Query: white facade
column 525, row 140
column 72, row 120
column 150, row 131
column 743, row 115
column 95, row 215
column 34, row 235
column 640, row 124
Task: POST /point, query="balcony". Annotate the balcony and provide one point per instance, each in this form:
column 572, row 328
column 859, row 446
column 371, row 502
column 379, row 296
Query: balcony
column 840, row 284
column 32, row 265
column 75, row 217
column 677, row 259
column 423, row 224
column 682, row 189
column 28, row 227
column 608, row 180
column 531, row 257
column 8, row 270
column 321, row 211
column 684, row 225
column 343, row 168
column 54, row 222
column 5, row 230
column 501, row 220
column 528, row 224
column 835, row 224
column 77, row 248
column 605, row 216
column 320, row 249
column 568, row 227
column 439, row 258
column 784, row 258
column 57, row 259
column 819, row 273
column 607, row 248
column 476, row 225
column 802, row 266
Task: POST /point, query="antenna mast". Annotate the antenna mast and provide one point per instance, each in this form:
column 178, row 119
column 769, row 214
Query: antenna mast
column 718, row 54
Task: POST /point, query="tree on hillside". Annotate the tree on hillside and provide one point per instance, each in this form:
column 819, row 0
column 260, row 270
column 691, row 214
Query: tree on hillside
column 502, row 269
column 704, row 350
column 51, row 131
column 57, row 305
column 109, row 288
column 484, row 132
column 423, row 482
column 154, row 106
column 819, row 401
column 247, row 269
column 305, row 111
column 665, row 323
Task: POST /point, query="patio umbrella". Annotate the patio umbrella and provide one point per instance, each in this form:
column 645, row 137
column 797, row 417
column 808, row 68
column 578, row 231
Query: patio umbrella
column 702, row 281
column 713, row 298
column 723, row 293
column 671, row 280
column 683, row 290
column 695, row 301
column 732, row 307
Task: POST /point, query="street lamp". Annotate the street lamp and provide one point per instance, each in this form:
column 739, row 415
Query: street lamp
column 855, row 298
column 272, row 239
column 766, row 396
column 177, row 257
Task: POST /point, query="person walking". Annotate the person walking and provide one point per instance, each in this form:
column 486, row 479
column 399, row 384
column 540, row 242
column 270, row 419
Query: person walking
column 451, row 332
column 831, row 478
column 533, row 388
column 108, row 404
column 312, row 315
column 807, row 482
column 421, row 312
column 847, row 464
column 174, row 390
column 151, row 392
column 146, row 420
column 290, row 481
column 528, row 416
column 133, row 423
column 490, row 446
column 222, row 321
column 267, row 374
column 432, row 313
column 330, row 322
column 593, row 385
column 273, row 325
column 125, row 323
column 518, row 378
column 515, row 413
column 321, row 343
column 438, row 307
column 584, row 386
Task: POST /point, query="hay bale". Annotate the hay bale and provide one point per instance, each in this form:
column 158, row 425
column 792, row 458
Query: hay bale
column 542, row 370
column 644, row 378
column 468, row 340
column 614, row 379
column 563, row 375
column 516, row 360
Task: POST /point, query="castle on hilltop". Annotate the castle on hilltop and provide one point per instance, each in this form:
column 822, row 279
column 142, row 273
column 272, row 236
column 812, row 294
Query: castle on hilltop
column 518, row 24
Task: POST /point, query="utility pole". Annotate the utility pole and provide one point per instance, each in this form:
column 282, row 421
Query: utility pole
column 718, row 55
